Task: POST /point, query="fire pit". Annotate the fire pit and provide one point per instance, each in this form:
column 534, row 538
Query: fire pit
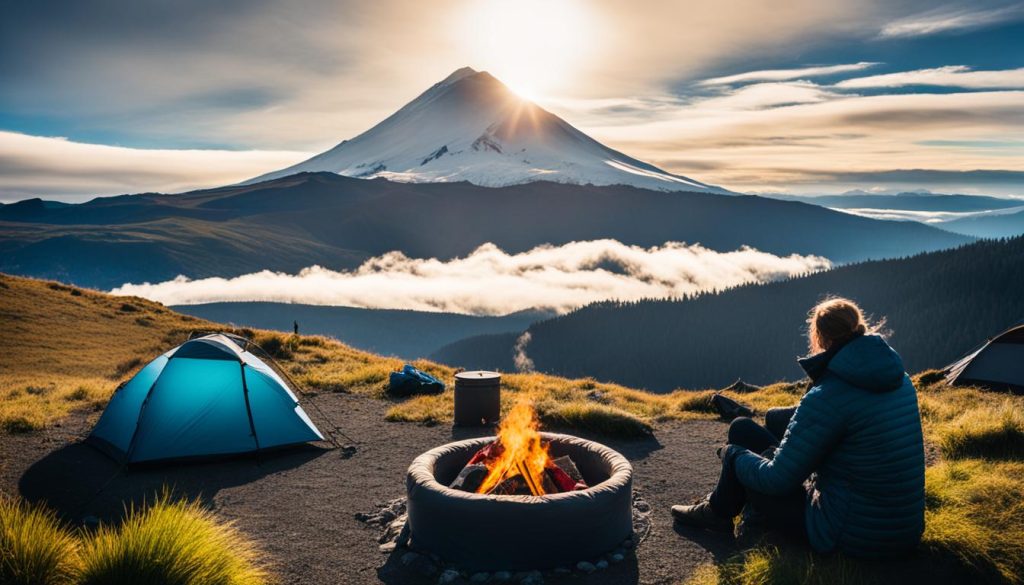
column 486, row 531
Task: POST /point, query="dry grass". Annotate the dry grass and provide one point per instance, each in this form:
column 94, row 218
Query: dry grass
column 173, row 542
column 35, row 548
column 168, row 542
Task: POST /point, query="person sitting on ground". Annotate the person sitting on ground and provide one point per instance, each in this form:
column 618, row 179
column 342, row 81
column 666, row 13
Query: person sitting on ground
column 857, row 430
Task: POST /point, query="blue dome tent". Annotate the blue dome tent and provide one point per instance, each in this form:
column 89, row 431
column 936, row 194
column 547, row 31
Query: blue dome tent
column 207, row 397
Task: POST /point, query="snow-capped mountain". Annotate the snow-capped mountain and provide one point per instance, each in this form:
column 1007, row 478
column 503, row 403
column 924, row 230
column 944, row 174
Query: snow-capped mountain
column 471, row 127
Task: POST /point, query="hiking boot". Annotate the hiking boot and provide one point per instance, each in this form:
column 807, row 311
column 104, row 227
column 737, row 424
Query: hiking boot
column 700, row 515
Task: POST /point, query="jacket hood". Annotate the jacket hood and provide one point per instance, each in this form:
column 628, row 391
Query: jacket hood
column 866, row 362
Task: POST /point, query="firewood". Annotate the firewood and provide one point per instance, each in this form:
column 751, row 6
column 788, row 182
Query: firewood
column 470, row 478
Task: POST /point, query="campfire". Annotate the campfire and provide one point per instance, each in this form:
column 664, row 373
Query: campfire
column 517, row 462
column 574, row 499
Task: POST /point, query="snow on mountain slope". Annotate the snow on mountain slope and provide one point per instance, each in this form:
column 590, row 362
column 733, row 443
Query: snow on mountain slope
column 471, row 127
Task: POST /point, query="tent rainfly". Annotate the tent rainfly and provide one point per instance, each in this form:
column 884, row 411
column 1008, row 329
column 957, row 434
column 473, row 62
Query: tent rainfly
column 207, row 397
column 996, row 365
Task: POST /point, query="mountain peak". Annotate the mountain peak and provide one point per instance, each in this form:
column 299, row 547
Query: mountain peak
column 458, row 74
column 471, row 127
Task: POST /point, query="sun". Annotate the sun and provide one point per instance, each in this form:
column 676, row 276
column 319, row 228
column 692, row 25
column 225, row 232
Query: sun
column 535, row 46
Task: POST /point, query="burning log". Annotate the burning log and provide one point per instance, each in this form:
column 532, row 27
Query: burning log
column 470, row 477
column 517, row 463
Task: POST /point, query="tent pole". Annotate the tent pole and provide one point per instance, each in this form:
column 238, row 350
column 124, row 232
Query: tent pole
column 248, row 410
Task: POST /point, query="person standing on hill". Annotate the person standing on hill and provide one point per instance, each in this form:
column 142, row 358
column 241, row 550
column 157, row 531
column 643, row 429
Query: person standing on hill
column 295, row 327
column 844, row 469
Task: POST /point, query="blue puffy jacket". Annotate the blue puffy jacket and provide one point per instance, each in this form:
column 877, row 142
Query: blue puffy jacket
column 859, row 430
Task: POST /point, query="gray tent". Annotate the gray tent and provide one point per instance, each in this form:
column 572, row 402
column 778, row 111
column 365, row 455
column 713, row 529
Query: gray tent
column 996, row 365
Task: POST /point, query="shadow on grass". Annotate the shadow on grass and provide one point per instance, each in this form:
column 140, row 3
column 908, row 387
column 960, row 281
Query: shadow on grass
column 78, row 481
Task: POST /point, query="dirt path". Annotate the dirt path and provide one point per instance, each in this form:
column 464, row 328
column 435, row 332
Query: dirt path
column 300, row 504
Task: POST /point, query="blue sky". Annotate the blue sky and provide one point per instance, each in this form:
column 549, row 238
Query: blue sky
column 807, row 97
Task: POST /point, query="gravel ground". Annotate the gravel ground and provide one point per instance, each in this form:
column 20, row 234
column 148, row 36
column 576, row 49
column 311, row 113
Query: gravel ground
column 301, row 504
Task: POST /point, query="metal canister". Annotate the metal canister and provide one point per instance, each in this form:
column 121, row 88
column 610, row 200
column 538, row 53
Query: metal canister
column 477, row 398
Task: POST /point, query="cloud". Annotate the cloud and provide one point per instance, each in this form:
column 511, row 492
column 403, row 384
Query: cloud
column 34, row 166
column 490, row 281
column 751, row 144
column 768, row 95
column 932, row 217
column 787, row 74
column 949, row 76
column 950, row 20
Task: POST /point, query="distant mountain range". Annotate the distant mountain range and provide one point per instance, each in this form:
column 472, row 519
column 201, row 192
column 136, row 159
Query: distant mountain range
column 908, row 201
column 405, row 334
column 472, row 127
column 995, row 225
column 972, row 215
column 338, row 222
column 937, row 306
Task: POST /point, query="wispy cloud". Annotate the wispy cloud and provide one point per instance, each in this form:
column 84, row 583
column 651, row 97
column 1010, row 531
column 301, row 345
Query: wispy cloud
column 786, row 74
column 490, row 281
column 767, row 95
column 798, row 147
column 951, row 20
column 948, row 76
column 33, row 166
column 933, row 217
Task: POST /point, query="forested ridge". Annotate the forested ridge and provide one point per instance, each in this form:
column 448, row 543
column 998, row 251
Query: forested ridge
column 936, row 306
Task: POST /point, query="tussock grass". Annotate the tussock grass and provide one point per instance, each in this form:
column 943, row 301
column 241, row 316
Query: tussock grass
column 991, row 431
column 975, row 514
column 170, row 542
column 35, row 549
column 596, row 418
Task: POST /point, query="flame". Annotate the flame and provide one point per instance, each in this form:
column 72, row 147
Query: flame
column 522, row 452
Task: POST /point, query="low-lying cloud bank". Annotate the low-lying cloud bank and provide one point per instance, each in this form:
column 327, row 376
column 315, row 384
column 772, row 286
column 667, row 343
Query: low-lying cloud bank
column 490, row 281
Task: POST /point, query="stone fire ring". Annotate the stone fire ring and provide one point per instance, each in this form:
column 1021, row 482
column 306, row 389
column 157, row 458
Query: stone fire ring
column 491, row 533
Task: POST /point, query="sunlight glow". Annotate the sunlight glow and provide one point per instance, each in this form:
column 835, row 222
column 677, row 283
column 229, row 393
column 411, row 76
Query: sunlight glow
column 535, row 46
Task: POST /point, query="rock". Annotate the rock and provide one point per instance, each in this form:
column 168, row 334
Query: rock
column 602, row 564
column 618, row 557
column 532, row 578
column 480, row 577
column 586, row 567
column 628, row 543
column 502, row 576
column 387, row 547
column 562, row 570
column 448, row 576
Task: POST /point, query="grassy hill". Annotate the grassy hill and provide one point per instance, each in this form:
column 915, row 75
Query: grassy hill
column 322, row 218
column 67, row 348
